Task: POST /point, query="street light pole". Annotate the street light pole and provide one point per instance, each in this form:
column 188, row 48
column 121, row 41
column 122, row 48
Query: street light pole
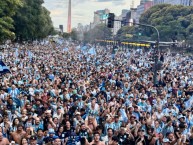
column 155, row 49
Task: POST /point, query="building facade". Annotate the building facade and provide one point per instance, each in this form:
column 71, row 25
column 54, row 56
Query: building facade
column 144, row 6
column 133, row 13
column 134, row 4
column 174, row 2
column 100, row 16
column 117, row 25
column 124, row 12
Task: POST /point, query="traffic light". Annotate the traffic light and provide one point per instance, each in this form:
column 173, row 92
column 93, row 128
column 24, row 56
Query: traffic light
column 111, row 19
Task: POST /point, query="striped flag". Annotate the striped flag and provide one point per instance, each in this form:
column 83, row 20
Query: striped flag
column 30, row 54
column 3, row 68
column 16, row 52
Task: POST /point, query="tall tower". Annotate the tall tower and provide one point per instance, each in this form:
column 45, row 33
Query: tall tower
column 132, row 4
column 69, row 17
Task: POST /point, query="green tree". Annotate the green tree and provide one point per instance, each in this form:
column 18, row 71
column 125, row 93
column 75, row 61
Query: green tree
column 45, row 21
column 66, row 35
column 131, row 34
column 173, row 21
column 74, row 35
column 32, row 21
column 100, row 31
column 7, row 9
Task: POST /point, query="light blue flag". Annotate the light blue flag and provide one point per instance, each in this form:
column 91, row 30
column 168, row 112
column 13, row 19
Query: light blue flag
column 188, row 103
column 78, row 47
column 84, row 48
column 92, row 51
column 3, row 68
column 60, row 42
column 22, row 52
column 65, row 49
column 124, row 115
column 16, row 52
column 30, row 54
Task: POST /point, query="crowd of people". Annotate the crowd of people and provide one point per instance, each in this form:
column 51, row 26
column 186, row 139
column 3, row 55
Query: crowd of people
column 69, row 96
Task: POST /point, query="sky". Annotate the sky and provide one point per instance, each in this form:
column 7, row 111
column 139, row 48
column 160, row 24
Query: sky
column 82, row 10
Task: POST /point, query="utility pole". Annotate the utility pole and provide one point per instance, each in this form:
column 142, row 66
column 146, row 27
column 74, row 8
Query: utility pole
column 156, row 49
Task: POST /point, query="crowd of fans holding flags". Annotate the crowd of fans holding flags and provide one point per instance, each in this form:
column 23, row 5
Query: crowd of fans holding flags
column 70, row 94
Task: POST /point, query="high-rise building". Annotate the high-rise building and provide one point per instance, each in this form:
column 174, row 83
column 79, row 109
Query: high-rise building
column 117, row 25
column 144, row 1
column 144, row 6
column 129, row 17
column 174, row 2
column 124, row 12
column 134, row 3
column 133, row 13
column 100, row 16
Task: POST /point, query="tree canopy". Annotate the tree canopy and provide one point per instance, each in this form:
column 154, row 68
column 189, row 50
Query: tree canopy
column 100, row 31
column 32, row 21
column 131, row 34
column 24, row 20
column 8, row 8
column 174, row 22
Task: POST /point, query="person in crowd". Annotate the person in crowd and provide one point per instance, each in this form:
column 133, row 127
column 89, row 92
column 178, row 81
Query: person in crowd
column 3, row 140
column 18, row 134
column 96, row 139
column 57, row 141
column 33, row 140
column 24, row 141
column 85, row 95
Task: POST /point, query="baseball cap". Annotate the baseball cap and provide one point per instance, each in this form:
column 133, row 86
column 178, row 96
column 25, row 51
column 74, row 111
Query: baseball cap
column 77, row 113
column 166, row 140
column 48, row 111
column 55, row 137
column 39, row 128
column 51, row 131
column 181, row 116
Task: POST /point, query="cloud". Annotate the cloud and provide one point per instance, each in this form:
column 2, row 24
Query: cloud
column 79, row 14
column 113, row 1
column 57, row 13
column 55, row 4
column 107, row 0
column 82, row 10
column 119, row 3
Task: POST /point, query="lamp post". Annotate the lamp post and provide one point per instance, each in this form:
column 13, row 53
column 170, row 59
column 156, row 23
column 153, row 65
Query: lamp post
column 155, row 49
